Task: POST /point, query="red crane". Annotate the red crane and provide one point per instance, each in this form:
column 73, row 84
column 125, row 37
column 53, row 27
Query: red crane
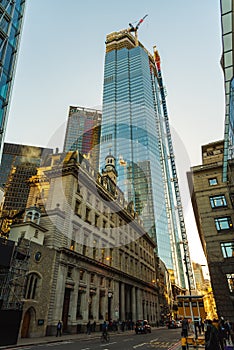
column 135, row 29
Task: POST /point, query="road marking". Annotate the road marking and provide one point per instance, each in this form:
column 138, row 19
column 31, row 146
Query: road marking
column 59, row 343
column 85, row 349
column 156, row 339
column 114, row 342
column 139, row 345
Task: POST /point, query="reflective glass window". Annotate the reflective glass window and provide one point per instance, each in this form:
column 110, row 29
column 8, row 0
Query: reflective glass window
column 227, row 249
column 218, row 201
column 223, row 223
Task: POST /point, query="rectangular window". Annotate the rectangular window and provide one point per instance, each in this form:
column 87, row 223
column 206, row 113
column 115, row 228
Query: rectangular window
column 224, row 223
column 87, row 215
column 218, row 201
column 213, row 181
column 78, row 208
column 227, row 249
column 230, row 280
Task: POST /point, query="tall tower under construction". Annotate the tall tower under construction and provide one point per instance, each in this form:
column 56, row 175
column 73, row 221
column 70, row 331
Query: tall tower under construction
column 136, row 131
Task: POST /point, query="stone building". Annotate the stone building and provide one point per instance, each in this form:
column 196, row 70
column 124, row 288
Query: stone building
column 213, row 201
column 90, row 256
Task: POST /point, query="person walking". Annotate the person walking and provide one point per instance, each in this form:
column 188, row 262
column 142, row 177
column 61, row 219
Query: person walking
column 185, row 327
column 211, row 337
column 59, row 329
column 88, row 328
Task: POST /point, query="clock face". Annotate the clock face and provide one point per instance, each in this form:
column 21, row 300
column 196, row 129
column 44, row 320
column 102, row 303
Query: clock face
column 37, row 256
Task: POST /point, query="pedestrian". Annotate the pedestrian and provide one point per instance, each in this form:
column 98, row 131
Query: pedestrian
column 211, row 337
column 59, row 329
column 185, row 327
column 222, row 333
column 228, row 328
column 88, row 328
column 199, row 325
column 94, row 326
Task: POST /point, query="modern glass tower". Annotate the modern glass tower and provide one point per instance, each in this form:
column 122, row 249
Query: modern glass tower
column 135, row 132
column 83, row 133
column 11, row 19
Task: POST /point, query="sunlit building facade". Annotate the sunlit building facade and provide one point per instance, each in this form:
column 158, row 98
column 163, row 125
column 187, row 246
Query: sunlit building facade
column 83, row 133
column 134, row 131
column 11, row 19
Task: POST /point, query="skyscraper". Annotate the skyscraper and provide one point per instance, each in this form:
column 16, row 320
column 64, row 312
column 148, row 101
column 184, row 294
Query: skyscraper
column 83, row 132
column 11, row 19
column 135, row 130
column 227, row 17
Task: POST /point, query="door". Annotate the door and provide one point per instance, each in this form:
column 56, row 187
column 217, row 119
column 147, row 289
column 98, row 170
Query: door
column 25, row 325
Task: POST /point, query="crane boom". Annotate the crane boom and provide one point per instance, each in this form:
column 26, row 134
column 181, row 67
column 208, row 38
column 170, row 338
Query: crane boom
column 188, row 266
column 135, row 29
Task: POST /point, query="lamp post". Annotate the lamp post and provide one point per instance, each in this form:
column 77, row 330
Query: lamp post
column 110, row 295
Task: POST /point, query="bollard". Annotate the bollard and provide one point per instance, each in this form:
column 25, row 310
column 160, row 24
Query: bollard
column 184, row 343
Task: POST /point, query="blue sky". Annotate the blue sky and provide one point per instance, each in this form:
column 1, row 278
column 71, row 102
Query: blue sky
column 61, row 60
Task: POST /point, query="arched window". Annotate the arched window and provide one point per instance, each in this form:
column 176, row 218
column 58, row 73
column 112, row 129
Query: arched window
column 32, row 284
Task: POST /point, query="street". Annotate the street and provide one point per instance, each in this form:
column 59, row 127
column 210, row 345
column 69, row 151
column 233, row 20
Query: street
column 159, row 339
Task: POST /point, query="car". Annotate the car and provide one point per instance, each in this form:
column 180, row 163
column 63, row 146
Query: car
column 172, row 324
column 142, row 326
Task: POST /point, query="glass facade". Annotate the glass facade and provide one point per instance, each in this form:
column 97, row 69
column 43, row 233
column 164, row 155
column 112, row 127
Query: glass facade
column 133, row 130
column 227, row 64
column 83, row 133
column 11, row 18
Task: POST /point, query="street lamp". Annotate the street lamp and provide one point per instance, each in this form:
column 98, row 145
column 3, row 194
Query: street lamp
column 110, row 295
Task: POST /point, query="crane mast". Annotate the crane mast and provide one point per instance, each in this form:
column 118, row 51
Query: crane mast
column 188, row 266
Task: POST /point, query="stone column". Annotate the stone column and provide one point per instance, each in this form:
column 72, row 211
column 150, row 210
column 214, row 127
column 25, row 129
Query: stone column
column 115, row 301
column 134, row 311
column 59, row 296
column 122, row 311
column 139, row 304
column 96, row 301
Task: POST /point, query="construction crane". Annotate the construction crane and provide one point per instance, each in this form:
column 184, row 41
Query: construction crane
column 188, row 267
column 135, row 29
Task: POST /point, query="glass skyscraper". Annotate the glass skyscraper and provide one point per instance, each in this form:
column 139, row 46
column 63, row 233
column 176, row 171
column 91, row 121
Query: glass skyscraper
column 83, row 133
column 134, row 131
column 11, row 19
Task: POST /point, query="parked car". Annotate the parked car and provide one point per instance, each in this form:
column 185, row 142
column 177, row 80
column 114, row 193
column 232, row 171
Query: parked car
column 142, row 326
column 172, row 324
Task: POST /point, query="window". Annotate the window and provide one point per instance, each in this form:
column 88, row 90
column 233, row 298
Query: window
column 69, row 272
column 92, row 278
column 78, row 208
column 224, row 223
column 230, row 280
column 81, row 275
column 218, row 201
column 87, row 215
column 96, row 220
column 227, row 249
column 31, row 286
column 213, row 181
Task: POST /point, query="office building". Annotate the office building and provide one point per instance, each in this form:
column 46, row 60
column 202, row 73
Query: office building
column 102, row 264
column 15, row 154
column 83, row 133
column 135, row 128
column 11, row 20
column 213, row 203
column 19, row 163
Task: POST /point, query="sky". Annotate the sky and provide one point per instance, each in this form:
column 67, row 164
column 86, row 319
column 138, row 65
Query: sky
column 61, row 62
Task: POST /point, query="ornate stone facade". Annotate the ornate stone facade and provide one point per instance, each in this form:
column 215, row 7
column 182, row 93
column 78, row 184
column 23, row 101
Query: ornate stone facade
column 91, row 258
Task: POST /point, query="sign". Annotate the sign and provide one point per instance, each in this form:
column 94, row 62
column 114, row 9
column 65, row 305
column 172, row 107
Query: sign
column 40, row 322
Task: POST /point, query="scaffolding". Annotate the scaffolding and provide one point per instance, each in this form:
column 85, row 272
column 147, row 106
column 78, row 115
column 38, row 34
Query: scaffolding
column 13, row 275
